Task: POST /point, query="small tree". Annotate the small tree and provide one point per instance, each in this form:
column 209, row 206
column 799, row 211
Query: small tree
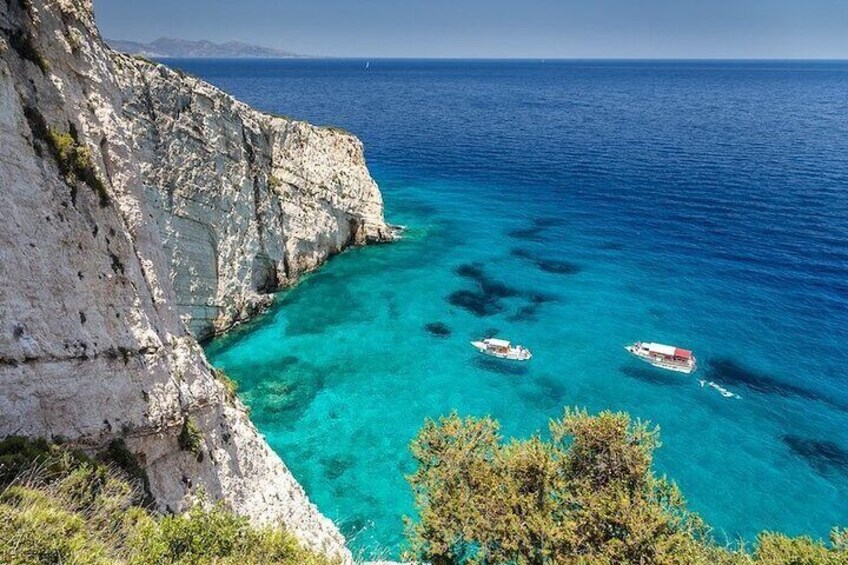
column 587, row 496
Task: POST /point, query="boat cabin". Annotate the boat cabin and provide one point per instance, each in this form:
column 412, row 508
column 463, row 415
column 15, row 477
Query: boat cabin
column 500, row 345
column 668, row 352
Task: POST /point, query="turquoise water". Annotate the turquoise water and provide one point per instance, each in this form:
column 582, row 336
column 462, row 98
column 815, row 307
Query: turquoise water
column 572, row 208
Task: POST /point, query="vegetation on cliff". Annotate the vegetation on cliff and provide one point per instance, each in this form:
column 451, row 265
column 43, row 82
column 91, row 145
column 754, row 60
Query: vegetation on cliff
column 71, row 155
column 586, row 496
column 62, row 506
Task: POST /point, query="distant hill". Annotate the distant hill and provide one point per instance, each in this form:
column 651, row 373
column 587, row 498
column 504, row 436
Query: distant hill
column 171, row 47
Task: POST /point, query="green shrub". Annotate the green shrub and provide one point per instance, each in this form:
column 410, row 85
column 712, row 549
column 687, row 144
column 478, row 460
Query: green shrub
column 274, row 183
column 72, row 157
column 88, row 514
column 587, row 496
column 190, row 438
column 201, row 536
column 21, row 454
column 34, row 528
column 18, row 454
column 229, row 384
column 118, row 454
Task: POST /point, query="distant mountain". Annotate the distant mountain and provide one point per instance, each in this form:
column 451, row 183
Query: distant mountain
column 171, row 47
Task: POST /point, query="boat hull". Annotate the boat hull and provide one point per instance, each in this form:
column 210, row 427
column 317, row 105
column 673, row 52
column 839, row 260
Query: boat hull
column 685, row 368
column 514, row 354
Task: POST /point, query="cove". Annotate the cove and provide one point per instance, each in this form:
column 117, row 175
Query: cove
column 573, row 208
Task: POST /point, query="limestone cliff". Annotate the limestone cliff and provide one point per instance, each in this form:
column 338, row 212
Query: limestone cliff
column 135, row 202
column 244, row 201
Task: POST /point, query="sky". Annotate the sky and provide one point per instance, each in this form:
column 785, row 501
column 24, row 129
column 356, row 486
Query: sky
column 497, row 28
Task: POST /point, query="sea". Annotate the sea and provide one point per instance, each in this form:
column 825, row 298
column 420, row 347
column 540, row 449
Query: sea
column 572, row 207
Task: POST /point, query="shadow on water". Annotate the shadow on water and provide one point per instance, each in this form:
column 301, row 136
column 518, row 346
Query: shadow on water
column 558, row 267
column 526, row 313
column 547, row 222
column 485, row 299
column 538, row 230
column 336, row 466
column 540, row 297
column 730, row 372
column 823, row 456
column 488, row 285
column 500, row 366
column 544, row 391
column 553, row 266
column 651, row 376
column 414, row 208
column 215, row 346
column 475, row 302
column 438, row 329
column 529, row 312
column 527, row 234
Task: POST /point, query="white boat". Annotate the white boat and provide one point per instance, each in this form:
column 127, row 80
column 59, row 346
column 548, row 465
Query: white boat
column 664, row 356
column 502, row 349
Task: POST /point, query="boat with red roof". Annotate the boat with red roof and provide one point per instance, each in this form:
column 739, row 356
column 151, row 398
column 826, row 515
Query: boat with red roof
column 663, row 356
column 502, row 349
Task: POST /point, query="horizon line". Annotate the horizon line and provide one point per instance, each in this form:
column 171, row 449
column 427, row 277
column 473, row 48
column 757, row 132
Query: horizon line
column 537, row 59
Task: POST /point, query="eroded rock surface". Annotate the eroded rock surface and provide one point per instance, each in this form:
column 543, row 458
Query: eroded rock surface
column 141, row 209
column 245, row 201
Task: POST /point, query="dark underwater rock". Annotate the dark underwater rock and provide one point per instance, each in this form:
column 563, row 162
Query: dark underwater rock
column 438, row 329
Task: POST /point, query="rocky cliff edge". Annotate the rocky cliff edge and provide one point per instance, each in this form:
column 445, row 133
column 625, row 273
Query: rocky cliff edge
column 143, row 209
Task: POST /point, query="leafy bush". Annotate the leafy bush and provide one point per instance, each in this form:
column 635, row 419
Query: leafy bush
column 88, row 514
column 587, row 496
column 19, row 455
column 190, row 438
column 201, row 536
column 118, row 454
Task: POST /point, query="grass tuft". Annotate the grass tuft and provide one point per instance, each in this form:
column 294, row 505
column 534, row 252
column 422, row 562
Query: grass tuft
column 229, row 383
column 83, row 512
column 72, row 157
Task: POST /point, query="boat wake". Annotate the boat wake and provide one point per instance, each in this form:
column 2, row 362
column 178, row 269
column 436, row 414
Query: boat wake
column 721, row 390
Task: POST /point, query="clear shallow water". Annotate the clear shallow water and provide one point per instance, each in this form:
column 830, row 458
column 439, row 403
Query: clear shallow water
column 701, row 204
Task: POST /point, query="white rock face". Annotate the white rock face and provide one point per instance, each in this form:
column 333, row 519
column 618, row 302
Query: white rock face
column 137, row 202
column 244, row 201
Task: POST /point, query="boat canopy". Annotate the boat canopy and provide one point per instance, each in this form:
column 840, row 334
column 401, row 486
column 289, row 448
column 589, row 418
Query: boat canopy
column 682, row 353
column 498, row 342
column 661, row 349
column 668, row 350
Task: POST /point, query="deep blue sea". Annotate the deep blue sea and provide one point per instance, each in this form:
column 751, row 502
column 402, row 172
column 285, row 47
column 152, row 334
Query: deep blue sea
column 702, row 204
